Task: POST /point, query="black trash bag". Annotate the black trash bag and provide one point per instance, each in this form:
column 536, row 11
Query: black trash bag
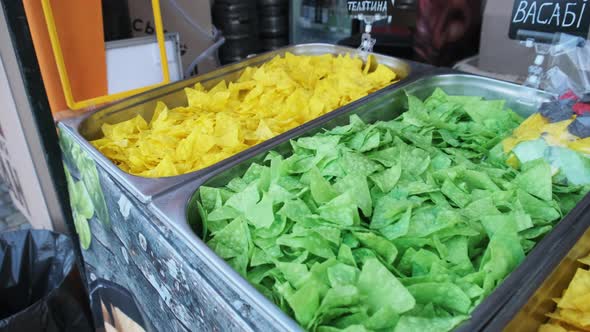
column 40, row 288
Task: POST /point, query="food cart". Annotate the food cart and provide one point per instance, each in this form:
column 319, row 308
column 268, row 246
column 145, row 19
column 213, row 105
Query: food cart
column 143, row 236
column 147, row 257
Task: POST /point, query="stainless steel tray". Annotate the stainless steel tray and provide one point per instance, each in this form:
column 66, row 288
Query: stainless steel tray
column 88, row 127
column 179, row 209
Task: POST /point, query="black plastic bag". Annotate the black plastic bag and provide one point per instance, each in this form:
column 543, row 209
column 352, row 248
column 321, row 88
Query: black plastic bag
column 40, row 288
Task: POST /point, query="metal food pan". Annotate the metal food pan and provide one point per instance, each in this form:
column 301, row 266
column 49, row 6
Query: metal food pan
column 179, row 207
column 527, row 308
column 88, row 127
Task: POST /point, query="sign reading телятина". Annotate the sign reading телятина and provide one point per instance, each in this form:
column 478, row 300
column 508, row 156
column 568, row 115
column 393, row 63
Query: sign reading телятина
column 383, row 8
column 551, row 16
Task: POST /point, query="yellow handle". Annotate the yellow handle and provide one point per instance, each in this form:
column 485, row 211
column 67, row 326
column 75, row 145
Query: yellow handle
column 63, row 73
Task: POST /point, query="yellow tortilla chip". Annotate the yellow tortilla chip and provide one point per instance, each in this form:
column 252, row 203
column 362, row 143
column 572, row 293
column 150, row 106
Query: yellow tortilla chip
column 582, row 302
column 579, row 317
column 551, row 328
column 557, row 134
column 585, row 260
column 530, row 129
column 580, row 285
column 558, row 317
column 573, row 308
column 580, row 145
column 513, row 161
column 230, row 117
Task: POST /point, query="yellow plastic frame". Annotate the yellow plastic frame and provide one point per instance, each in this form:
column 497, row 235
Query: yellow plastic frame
column 63, row 73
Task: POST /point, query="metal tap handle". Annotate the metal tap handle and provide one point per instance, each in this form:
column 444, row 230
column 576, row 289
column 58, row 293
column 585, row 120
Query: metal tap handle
column 367, row 43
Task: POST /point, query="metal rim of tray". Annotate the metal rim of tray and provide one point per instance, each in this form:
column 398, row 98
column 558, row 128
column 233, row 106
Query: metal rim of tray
column 173, row 207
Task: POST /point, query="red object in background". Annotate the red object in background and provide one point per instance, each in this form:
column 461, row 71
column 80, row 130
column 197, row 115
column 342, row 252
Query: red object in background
column 581, row 108
column 569, row 95
column 578, row 108
column 447, row 30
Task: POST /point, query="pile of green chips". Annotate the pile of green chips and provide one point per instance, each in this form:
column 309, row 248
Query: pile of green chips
column 404, row 225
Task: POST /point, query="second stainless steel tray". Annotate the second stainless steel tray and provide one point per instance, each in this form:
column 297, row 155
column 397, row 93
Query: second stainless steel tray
column 88, row 127
column 179, row 210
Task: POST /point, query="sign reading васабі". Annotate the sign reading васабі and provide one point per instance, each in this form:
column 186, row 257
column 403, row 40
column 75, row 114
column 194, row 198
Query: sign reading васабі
column 550, row 16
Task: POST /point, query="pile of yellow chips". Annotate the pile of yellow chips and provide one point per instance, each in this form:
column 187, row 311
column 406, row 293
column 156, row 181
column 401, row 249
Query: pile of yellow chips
column 265, row 101
column 573, row 308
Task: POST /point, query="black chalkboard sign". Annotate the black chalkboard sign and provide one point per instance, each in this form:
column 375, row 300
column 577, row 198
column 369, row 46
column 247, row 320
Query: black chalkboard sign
column 531, row 17
column 374, row 7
